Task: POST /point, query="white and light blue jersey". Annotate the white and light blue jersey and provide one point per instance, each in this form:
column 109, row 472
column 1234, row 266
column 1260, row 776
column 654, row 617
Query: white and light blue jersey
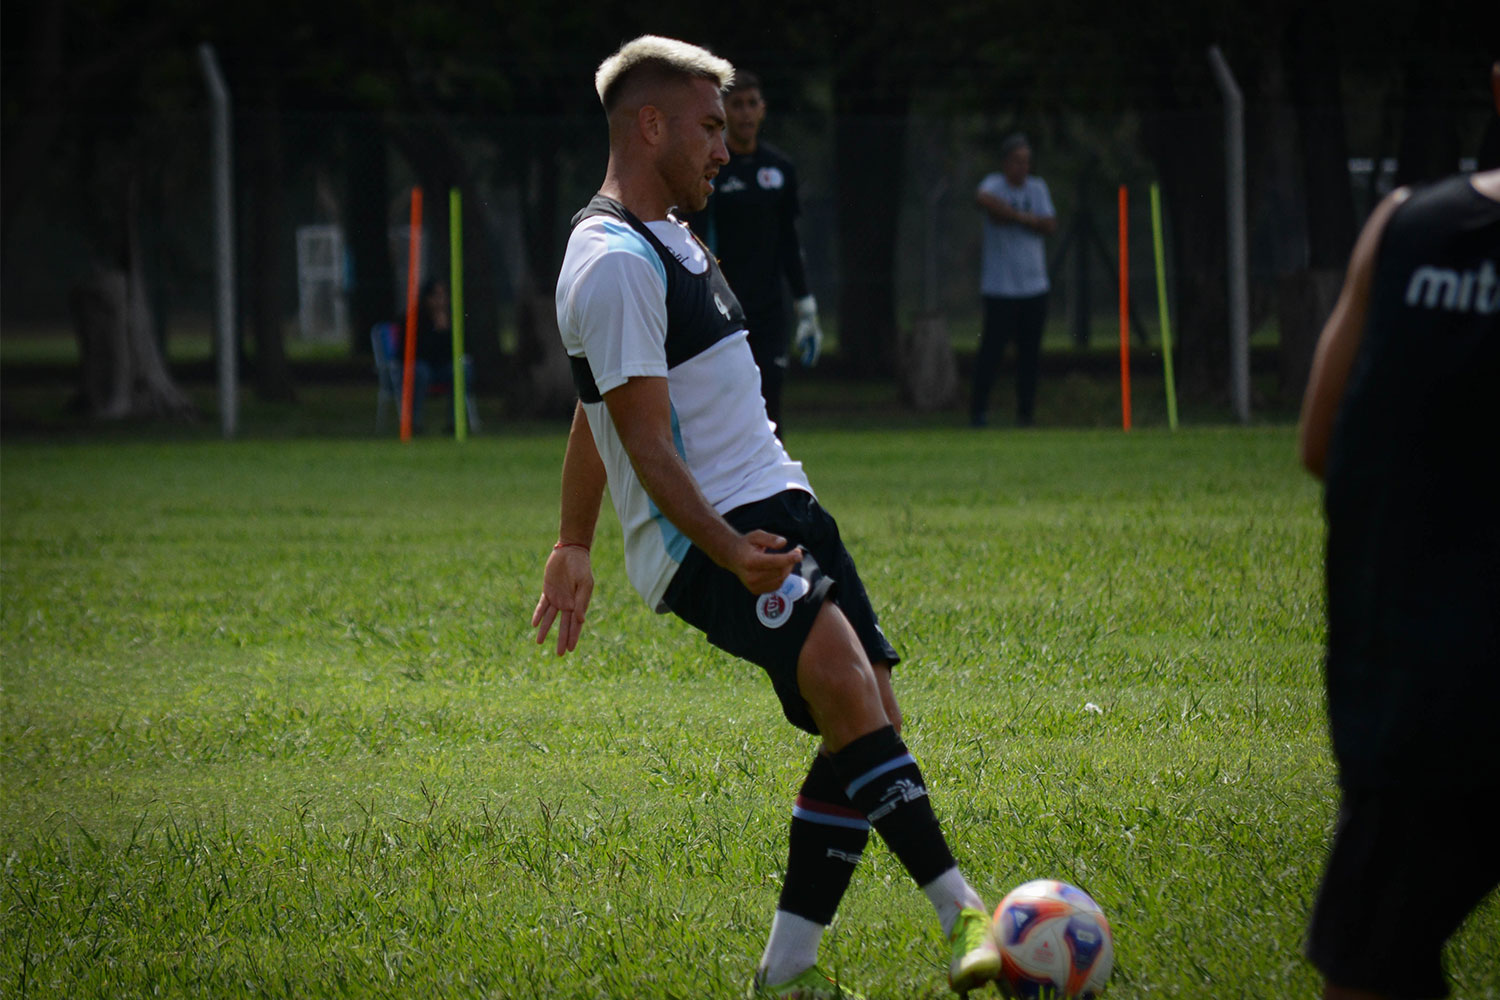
column 624, row 314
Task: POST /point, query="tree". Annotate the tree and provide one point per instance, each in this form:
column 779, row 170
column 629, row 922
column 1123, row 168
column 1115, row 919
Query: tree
column 93, row 60
column 1313, row 63
column 261, row 172
column 871, row 100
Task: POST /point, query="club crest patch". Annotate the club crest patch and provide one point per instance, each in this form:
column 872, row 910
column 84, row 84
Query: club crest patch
column 770, row 178
column 775, row 608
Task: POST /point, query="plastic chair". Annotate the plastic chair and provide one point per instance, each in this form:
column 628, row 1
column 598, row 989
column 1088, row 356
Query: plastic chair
column 389, row 368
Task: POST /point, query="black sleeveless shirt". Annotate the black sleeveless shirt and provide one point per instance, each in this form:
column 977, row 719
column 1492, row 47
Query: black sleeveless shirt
column 701, row 310
column 1413, row 560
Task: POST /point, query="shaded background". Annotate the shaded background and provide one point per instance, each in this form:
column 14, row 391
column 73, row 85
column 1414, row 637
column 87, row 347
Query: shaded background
column 892, row 117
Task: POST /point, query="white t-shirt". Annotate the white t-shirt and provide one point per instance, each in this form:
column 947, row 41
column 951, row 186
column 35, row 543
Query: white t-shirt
column 611, row 309
column 1014, row 262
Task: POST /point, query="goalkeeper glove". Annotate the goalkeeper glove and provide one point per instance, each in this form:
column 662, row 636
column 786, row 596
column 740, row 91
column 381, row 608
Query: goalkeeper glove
column 809, row 340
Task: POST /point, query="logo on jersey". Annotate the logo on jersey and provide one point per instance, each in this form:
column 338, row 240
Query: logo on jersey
column 1455, row 291
column 775, row 608
column 723, row 308
column 770, row 178
column 729, row 185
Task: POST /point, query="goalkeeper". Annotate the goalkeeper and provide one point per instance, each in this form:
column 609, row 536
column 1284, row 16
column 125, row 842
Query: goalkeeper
column 750, row 224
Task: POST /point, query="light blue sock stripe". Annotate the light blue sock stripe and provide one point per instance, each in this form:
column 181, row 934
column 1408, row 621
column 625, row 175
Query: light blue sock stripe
column 877, row 771
column 829, row 820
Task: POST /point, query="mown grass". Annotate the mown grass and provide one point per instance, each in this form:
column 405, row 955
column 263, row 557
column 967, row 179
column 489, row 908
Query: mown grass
column 271, row 722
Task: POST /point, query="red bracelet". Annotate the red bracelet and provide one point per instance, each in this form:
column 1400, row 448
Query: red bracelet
column 563, row 545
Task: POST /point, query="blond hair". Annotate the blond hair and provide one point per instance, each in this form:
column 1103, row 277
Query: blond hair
column 652, row 57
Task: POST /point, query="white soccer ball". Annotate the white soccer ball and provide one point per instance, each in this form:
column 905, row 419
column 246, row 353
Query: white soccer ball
column 1054, row 941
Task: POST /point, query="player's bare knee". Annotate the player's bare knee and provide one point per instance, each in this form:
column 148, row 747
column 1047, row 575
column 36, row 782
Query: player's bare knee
column 844, row 681
column 844, row 700
column 888, row 694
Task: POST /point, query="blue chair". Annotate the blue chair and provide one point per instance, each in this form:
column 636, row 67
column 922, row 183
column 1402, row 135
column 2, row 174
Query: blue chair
column 385, row 345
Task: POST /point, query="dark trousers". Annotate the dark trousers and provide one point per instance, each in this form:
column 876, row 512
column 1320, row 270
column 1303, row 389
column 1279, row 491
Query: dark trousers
column 1006, row 319
column 768, row 343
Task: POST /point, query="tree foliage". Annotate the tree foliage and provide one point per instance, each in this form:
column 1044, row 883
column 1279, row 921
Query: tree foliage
column 469, row 95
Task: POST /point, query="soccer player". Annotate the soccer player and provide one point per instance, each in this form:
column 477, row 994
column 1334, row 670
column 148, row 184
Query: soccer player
column 720, row 524
column 750, row 223
column 1399, row 423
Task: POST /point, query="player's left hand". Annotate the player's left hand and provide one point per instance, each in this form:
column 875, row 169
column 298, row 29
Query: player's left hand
column 809, row 341
column 762, row 562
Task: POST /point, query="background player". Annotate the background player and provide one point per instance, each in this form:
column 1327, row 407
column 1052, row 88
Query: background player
column 751, row 226
column 720, row 525
column 1400, row 422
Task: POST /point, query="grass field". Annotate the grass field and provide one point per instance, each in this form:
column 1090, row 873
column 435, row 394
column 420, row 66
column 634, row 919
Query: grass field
column 272, row 723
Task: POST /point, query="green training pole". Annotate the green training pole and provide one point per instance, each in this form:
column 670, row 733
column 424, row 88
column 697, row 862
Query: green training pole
column 1161, row 306
column 456, row 280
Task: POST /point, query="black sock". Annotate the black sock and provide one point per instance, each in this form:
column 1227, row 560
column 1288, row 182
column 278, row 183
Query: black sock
column 881, row 778
column 828, row 836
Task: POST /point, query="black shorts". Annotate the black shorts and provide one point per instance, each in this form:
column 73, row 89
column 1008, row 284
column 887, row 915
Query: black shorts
column 1406, row 868
column 769, row 630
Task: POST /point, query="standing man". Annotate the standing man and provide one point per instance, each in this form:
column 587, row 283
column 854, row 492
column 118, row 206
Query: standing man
column 1018, row 213
column 1399, row 421
column 751, row 225
column 720, row 525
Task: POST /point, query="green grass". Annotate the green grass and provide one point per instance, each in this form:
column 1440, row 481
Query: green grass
column 272, row 723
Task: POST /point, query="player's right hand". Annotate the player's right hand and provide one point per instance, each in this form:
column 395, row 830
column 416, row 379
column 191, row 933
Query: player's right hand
column 759, row 564
column 567, row 585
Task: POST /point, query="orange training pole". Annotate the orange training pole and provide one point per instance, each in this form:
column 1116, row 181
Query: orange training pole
column 1124, row 314
column 413, row 265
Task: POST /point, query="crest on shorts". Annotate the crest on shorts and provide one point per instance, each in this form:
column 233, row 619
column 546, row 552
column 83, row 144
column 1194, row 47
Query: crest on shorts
column 775, row 608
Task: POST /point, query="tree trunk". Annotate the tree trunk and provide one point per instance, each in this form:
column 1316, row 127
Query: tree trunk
column 29, row 143
column 1314, row 76
column 100, row 315
column 1187, row 149
column 1303, row 303
column 542, row 384
column 869, row 135
column 535, row 252
column 264, row 211
column 367, row 189
column 1305, row 299
column 547, row 389
column 928, row 371
column 121, row 369
column 481, row 297
column 1429, row 133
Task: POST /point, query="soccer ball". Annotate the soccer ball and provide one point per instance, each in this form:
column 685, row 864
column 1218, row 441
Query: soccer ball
column 1054, row 942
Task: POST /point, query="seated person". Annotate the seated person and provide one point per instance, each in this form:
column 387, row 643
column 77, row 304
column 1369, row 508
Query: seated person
column 434, row 357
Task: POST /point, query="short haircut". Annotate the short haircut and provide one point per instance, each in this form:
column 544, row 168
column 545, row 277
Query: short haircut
column 1013, row 142
column 653, row 57
column 745, row 80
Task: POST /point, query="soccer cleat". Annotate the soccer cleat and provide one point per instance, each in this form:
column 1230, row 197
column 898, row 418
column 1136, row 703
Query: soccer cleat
column 811, row 984
column 976, row 960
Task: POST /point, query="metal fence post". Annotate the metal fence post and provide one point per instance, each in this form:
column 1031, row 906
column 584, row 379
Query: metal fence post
column 223, row 241
column 1238, row 256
